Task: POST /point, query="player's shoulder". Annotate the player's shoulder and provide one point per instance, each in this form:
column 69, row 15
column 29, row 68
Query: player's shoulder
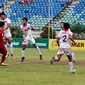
column 7, row 20
column 60, row 31
column 28, row 24
column 64, row 32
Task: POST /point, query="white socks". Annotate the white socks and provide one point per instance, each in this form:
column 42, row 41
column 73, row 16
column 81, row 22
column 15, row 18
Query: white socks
column 71, row 66
column 73, row 57
column 39, row 50
column 11, row 48
column 23, row 53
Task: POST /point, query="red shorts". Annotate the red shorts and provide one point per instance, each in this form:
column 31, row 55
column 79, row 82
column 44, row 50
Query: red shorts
column 3, row 49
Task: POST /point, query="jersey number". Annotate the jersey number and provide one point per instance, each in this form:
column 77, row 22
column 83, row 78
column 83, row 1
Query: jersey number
column 64, row 38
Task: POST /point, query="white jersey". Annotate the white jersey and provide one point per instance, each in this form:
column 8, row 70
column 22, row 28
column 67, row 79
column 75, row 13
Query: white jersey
column 27, row 35
column 7, row 32
column 26, row 30
column 64, row 37
column 69, row 31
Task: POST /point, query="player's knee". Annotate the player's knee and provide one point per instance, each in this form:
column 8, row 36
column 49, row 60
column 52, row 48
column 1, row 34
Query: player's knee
column 57, row 58
column 35, row 45
column 69, row 58
column 23, row 48
column 9, row 41
column 24, row 45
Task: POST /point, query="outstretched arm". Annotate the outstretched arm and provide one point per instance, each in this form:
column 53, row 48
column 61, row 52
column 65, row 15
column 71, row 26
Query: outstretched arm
column 33, row 28
column 73, row 41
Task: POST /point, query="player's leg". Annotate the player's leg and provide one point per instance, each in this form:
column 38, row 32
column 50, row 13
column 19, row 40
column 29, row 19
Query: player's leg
column 73, row 57
column 71, row 64
column 24, row 44
column 23, row 56
column 5, row 42
column 58, row 56
column 32, row 41
column 8, row 38
column 39, row 52
column 68, row 52
column 3, row 51
column 11, row 46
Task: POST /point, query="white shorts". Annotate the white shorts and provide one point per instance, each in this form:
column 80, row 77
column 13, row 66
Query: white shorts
column 27, row 41
column 67, row 51
column 7, row 34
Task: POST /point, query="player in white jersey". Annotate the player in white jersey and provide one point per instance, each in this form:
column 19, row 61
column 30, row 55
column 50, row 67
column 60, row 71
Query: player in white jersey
column 28, row 38
column 63, row 42
column 62, row 26
column 7, row 32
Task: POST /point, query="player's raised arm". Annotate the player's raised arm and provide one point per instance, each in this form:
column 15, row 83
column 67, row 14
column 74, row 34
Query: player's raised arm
column 32, row 27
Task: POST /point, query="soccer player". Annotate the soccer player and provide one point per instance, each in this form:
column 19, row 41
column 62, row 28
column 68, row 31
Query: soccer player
column 3, row 49
column 7, row 32
column 28, row 38
column 62, row 26
column 63, row 42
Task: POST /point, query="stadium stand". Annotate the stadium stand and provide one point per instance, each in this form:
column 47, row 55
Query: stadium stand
column 76, row 14
column 2, row 2
column 39, row 13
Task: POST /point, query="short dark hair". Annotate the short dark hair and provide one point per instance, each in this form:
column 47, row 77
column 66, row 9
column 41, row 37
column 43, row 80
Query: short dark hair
column 3, row 14
column 66, row 26
column 2, row 23
column 25, row 18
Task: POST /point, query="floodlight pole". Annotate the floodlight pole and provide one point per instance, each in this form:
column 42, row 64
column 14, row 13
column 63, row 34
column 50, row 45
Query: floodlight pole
column 49, row 19
column 52, row 17
column 49, row 11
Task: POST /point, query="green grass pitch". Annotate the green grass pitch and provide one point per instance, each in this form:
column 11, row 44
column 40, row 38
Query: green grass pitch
column 35, row 72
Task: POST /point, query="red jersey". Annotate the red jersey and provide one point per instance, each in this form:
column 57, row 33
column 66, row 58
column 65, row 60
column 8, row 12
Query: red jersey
column 1, row 35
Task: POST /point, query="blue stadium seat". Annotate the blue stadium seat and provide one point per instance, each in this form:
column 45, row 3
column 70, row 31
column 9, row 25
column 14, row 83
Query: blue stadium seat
column 37, row 13
column 2, row 2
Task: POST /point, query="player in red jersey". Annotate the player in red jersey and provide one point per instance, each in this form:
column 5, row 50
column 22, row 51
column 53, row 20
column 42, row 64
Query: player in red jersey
column 3, row 50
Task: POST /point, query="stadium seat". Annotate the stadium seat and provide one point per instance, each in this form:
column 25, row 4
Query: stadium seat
column 37, row 13
column 41, row 11
column 77, row 13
